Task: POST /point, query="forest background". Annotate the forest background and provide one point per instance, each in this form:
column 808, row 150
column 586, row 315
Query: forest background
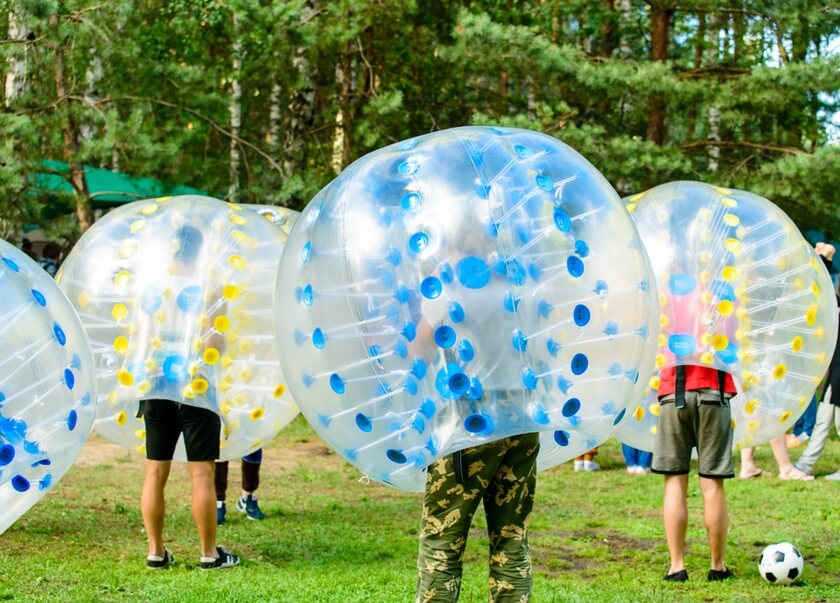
column 260, row 101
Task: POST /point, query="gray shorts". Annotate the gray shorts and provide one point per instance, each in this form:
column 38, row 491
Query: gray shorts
column 703, row 424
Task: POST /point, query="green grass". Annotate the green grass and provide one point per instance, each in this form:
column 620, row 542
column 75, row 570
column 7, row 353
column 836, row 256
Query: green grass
column 595, row 536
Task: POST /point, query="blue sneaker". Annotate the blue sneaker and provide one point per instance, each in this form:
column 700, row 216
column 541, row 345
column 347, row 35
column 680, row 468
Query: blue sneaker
column 248, row 505
column 221, row 511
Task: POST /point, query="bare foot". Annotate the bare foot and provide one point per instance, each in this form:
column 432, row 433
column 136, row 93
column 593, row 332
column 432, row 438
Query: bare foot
column 795, row 474
column 751, row 474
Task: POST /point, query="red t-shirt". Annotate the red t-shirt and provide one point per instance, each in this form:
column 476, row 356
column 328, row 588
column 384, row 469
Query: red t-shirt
column 696, row 377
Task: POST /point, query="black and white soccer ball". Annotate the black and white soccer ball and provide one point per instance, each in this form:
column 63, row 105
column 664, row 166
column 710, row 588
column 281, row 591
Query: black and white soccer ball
column 781, row 563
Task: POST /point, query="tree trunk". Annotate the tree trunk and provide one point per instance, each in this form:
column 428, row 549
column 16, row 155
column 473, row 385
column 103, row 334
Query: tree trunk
column 70, row 137
column 235, row 108
column 699, row 48
column 17, row 81
column 660, row 19
column 609, row 30
column 344, row 116
column 624, row 20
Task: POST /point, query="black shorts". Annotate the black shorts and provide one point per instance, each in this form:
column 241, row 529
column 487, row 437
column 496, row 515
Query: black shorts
column 166, row 420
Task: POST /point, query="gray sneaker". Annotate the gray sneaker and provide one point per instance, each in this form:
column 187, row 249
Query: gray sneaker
column 834, row 477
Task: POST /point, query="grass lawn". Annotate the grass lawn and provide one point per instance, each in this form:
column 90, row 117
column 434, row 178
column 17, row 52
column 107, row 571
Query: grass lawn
column 595, row 536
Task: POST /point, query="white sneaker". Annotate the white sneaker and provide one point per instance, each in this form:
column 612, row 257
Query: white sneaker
column 834, row 477
column 591, row 466
column 633, row 469
column 578, row 465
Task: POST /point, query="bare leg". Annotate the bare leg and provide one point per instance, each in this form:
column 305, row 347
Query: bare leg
column 153, row 505
column 786, row 468
column 204, row 505
column 748, row 466
column 675, row 513
column 716, row 518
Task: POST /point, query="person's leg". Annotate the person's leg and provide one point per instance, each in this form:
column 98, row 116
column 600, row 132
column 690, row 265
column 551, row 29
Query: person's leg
column 819, row 437
column 748, row 466
column 675, row 515
column 220, row 480
column 645, row 459
column 204, row 505
column 786, row 468
column 716, row 519
column 247, row 502
column 448, row 509
column 508, row 502
column 629, row 455
column 153, row 505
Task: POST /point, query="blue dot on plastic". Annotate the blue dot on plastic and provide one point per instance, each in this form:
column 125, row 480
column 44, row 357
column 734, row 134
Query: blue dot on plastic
column 681, row 344
column 11, row 264
column 522, row 151
column 529, row 379
column 39, row 297
column 319, row 340
column 472, row 272
column 306, row 252
column 540, row 415
column 562, row 220
column 410, row 201
column 619, row 416
column 418, row 241
column 408, row 167
column 306, row 295
column 511, row 302
column 571, row 407
column 363, row 422
column 561, row 438
column 480, row 424
column 428, row 408
column 681, row 284
column 396, row 456
column 545, row 183
column 445, row 336
column 151, row 300
column 69, row 379
column 519, row 341
column 7, row 454
column 581, row 315
column 431, row 287
column 575, row 266
column 59, row 335
column 466, row 352
column 456, row 312
column 20, row 483
column 581, row 248
column 579, row 364
column 337, row 384
column 72, row 420
column 458, row 383
column 189, row 299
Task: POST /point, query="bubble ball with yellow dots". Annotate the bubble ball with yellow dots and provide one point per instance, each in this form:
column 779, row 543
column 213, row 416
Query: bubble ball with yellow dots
column 459, row 288
column 282, row 217
column 47, row 380
column 740, row 290
column 176, row 295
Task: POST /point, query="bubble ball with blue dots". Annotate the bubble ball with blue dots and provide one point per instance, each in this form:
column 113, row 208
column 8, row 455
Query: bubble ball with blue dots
column 176, row 295
column 740, row 290
column 458, row 288
column 47, row 396
column 282, row 217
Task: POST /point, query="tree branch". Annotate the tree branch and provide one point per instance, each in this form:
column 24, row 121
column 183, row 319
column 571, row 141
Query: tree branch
column 742, row 143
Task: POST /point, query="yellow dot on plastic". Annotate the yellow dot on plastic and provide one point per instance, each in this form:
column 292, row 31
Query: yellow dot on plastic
column 631, row 207
column 639, row 413
column 145, row 386
column 731, row 219
column 125, row 378
column 815, row 289
column 803, row 401
column 123, row 277
column 654, row 383
column 279, row 391
column 821, row 357
column 119, row 311
column 815, row 264
column 112, row 398
column 128, row 250
column 192, row 369
column 637, row 197
column 140, row 434
column 156, row 342
column 227, row 360
column 819, row 332
column 705, row 339
column 707, row 358
column 200, row 385
column 732, row 245
column 722, row 190
column 705, row 235
column 653, row 430
column 237, row 263
column 662, row 216
column 198, row 344
column 720, row 342
column 797, row 343
column 230, row 292
column 188, row 392
column 235, row 424
column 705, row 256
column 121, row 344
column 706, row 297
column 753, row 425
column 705, row 277
column 211, row 356
column 235, row 206
column 237, row 219
column 705, row 214
column 239, row 236
column 779, row 371
column 122, row 417
column 83, row 299
column 245, row 346
column 798, row 283
column 257, row 413
column 811, row 314
column 726, row 307
column 149, row 209
column 664, row 321
column 729, row 273
column 751, row 406
column 245, row 374
column 163, row 199
column 663, row 300
column 785, row 416
column 226, row 432
column 660, row 360
column 729, row 202
column 137, row 226
column 221, row 323
column 662, row 340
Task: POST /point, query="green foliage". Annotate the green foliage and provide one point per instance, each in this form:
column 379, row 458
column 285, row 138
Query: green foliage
column 748, row 89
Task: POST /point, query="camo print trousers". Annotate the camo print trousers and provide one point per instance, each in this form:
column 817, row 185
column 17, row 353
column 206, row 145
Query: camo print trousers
column 502, row 474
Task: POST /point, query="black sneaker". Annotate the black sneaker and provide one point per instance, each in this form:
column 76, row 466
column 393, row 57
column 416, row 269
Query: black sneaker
column 718, row 575
column 248, row 505
column 156, row 562
column 680, row 576
column 221, row 511
column 225, row 559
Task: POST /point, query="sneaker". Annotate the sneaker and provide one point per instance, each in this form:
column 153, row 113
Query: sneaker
column 225, row 559
column 157, row 562
column 221, row 511
column 834, row 477
column 680, row 576
column 719, row 575
column 591, row 466
column 248, row 505
column 578, row 465
column 633, row 469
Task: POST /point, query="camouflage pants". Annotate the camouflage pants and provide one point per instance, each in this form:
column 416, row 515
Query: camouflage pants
column 503, row 474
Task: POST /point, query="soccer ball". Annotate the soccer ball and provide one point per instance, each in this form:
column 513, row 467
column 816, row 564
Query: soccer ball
column 781, row 563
